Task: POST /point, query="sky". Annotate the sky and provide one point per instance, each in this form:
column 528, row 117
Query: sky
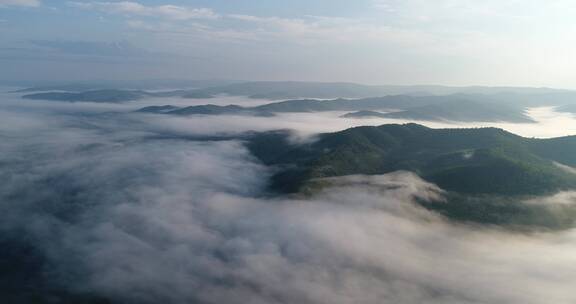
column 447, row 42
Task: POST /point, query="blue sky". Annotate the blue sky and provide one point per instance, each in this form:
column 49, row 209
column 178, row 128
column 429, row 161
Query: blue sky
column 451, row 42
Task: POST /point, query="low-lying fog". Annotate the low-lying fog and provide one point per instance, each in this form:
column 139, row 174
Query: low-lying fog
column 141, row 220
column 549, row 123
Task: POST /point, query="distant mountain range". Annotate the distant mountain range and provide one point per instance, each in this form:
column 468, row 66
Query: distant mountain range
column 205, row 110
column 425, row 103
column 276, row 90
column 365, row 114
column 150, row 84
column 465, row 111
column 432, row 108
column 486, row 171
column 101, row 96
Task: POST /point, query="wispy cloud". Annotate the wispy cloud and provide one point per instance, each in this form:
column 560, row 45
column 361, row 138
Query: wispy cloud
column 244, row 26
column 29, row 3
column 161, row 11
column 383, row 41
column 117, row 48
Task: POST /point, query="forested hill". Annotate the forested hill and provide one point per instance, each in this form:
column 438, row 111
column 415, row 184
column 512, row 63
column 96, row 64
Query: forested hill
column 488, row 173
column 477, row 161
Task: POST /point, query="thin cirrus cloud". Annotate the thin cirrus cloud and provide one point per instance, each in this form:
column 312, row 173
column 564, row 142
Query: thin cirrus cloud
column 117, row 48
column 29, row 3
column 298, row 29
column 383, row 41
column 167, row 11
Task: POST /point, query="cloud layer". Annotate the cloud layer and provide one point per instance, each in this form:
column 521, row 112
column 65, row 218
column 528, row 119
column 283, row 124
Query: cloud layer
column 379, row 42
column 161, row 11
column 30, row 3
column 141, row 214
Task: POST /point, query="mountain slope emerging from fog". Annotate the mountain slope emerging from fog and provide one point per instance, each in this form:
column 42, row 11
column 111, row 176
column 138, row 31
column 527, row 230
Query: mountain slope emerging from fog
column 453, row 108
column 314, row 105
column 465, row 111
column 364, row 114
column 373, row 103
column 205, row 110
column 476, row 161
column 488, row 170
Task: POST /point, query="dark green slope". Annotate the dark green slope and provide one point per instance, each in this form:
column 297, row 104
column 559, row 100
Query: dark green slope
column 474, row 161
column 560, row 149
column 488, row 173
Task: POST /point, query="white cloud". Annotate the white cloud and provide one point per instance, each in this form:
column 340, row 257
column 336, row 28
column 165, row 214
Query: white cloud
column 167, row 11
column 293, row 30
column 384, row 5
column 30, row 3
column 181, row 225
column 470, row 11
column 398, row 41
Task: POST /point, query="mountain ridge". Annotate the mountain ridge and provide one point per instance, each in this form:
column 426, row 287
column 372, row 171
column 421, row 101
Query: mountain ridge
column 487, row 172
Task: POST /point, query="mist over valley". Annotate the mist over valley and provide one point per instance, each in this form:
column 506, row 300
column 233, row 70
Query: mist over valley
column 287, row 152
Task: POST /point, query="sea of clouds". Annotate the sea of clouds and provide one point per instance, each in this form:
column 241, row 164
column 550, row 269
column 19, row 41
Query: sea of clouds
column 132, row 208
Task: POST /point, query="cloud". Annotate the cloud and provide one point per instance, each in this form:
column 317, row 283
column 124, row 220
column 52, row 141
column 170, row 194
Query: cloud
column 331, row 29
column 412, row 41
column 401, row 42
column 173, row 12
column 141, row 214
column 549, row 123
column 385, row 5
column 470, row 12
column 28, row 3
column 250, row 27
column 119, row 48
